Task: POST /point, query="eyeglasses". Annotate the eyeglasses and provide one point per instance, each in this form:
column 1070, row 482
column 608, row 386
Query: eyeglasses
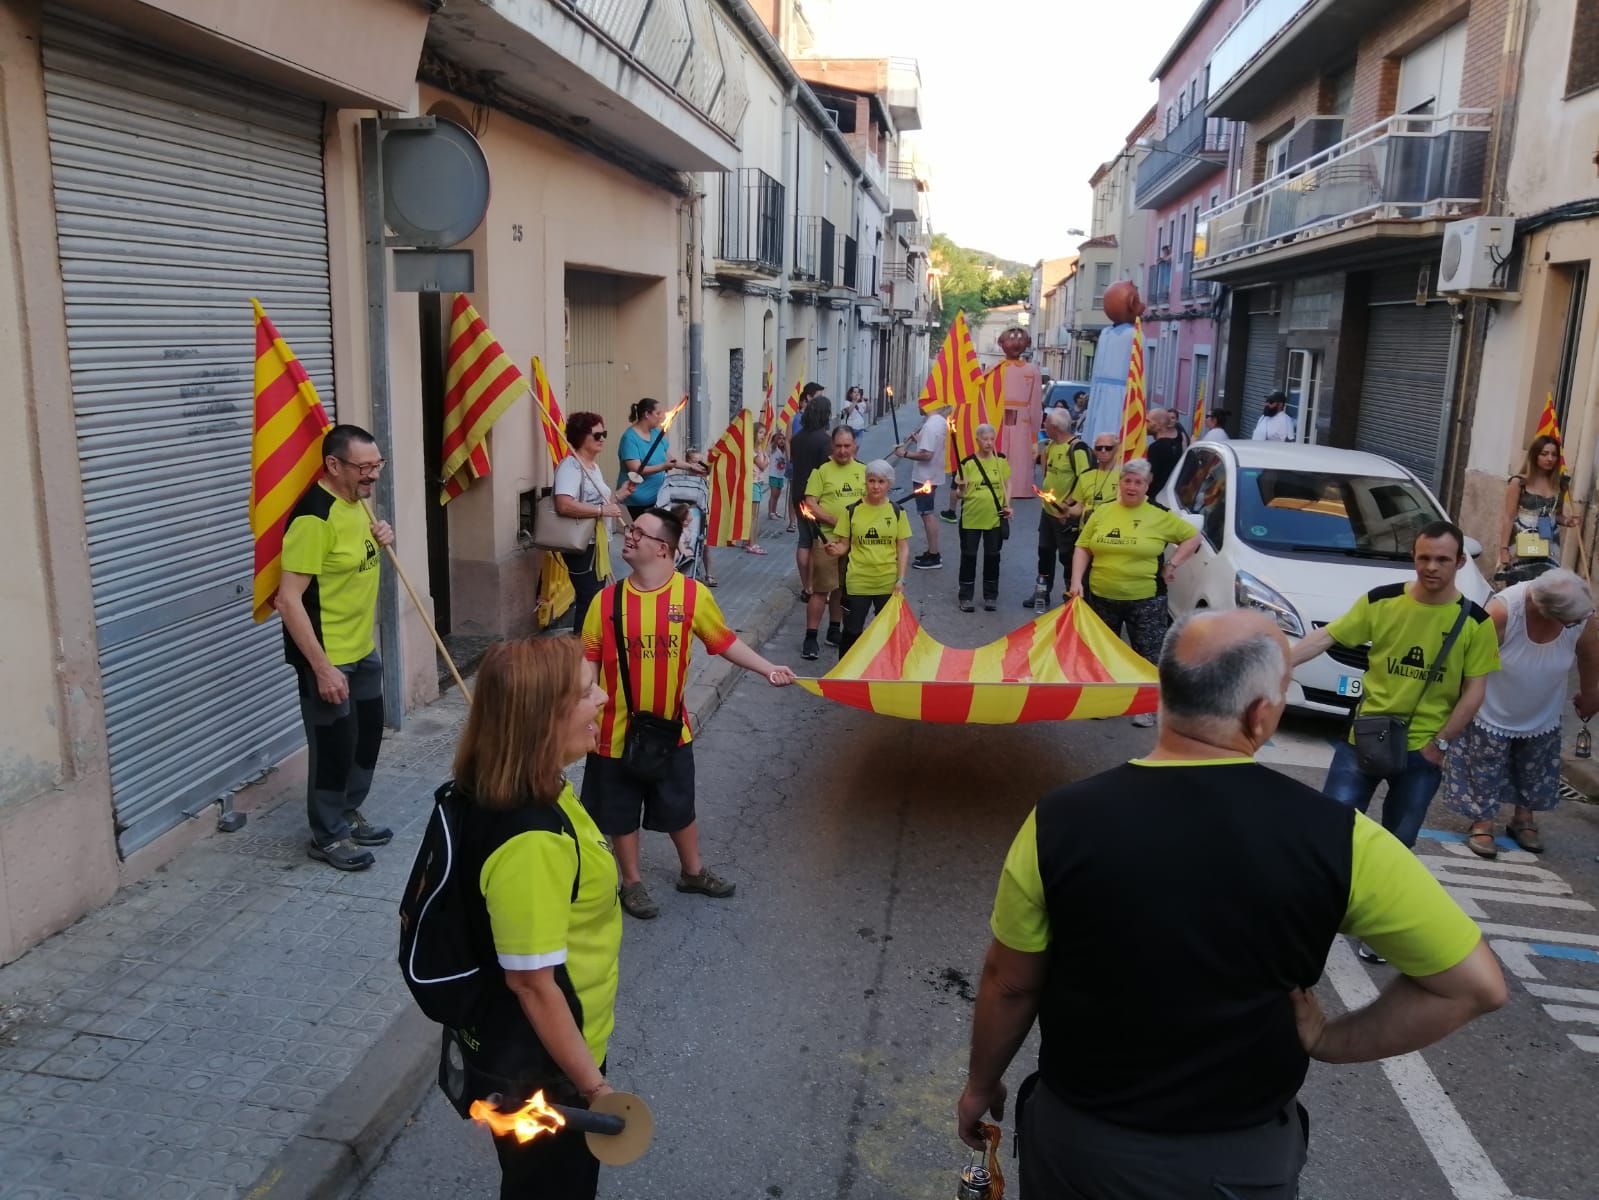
column 365, row 468
column 633, row 531
column 599, row 435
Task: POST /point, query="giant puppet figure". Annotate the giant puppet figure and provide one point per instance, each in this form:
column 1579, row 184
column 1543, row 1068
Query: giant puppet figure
column 1021, row 389
column 1123, row 305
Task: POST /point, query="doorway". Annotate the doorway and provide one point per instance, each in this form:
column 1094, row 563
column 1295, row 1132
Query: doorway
column 432, row 314
column 1303, row 387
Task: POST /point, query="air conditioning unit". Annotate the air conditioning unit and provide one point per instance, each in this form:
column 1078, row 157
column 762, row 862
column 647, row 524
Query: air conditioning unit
column 1476, row 256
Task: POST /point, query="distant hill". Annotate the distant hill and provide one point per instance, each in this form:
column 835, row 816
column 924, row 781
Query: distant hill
column 975, row 280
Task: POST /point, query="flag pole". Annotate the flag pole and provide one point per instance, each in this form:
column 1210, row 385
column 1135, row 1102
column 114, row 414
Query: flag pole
column 410, row 591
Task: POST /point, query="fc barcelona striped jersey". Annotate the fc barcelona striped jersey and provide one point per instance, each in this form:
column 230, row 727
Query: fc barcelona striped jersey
column 658, row 627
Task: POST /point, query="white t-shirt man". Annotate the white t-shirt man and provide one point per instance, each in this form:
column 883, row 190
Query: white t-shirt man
column 1217, row 434
column 931, row 436
column 1278, row 427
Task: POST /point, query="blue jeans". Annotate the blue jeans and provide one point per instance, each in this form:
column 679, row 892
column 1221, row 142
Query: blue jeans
column 1409, row 792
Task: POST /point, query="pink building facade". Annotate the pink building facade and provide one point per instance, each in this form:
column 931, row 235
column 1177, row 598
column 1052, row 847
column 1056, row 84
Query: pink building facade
column 1183, row 174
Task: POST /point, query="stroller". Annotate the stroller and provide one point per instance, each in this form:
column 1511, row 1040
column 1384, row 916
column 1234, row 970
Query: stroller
column 693, row 491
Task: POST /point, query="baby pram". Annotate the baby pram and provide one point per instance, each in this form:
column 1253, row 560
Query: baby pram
column 693, row 491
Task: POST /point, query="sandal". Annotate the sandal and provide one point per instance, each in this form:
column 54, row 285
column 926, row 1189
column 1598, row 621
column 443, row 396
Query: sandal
column 1481, row 842
column 1526, row 836
column 805, row 595
column 790, row 529
column 710, row 581
column 754, row 549
column 636, row 902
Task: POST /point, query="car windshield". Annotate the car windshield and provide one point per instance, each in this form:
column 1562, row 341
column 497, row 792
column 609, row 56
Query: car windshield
column 1357, row 516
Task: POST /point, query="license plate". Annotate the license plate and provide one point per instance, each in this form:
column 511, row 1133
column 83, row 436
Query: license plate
column 1349, row 685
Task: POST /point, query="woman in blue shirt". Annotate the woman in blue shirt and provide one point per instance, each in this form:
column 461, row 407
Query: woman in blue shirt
column 644, row 419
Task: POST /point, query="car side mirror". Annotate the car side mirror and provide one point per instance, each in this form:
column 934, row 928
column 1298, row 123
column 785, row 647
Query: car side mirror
column 1473, row 547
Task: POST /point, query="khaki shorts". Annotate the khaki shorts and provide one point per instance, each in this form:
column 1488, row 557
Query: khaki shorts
column 826, row 571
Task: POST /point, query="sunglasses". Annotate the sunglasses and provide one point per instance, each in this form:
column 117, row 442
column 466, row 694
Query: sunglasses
column 1104, row 449
column 599, row 435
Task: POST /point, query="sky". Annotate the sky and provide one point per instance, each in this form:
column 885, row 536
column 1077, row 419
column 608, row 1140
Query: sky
column 1021, row 102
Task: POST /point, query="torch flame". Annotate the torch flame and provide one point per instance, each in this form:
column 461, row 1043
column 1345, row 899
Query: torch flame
column 809, row 513
column 525, row 1124
column 672, row 416
column 925, row 488
column 1046, row 497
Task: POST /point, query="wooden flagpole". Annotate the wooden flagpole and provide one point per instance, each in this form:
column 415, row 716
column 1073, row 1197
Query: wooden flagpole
column 394, row 560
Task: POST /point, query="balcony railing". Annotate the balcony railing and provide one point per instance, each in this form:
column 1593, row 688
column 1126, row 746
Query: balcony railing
column 1404, row 167
column 1254, row 31
column 815, row 251
column 850, row 276
column 1158, row 292
column 1181, row 151
column 752, row 220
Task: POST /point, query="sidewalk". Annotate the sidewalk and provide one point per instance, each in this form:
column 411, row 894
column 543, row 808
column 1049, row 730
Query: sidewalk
column 235, row 1025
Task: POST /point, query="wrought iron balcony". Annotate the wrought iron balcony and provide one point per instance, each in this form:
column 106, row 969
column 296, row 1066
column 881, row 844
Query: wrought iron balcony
column 752, row 221
column 1195, row 148
column 815, row 252
column 1402, row 168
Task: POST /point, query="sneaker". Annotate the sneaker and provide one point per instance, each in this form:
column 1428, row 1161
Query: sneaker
column 706, row 884
column 636, row 902
column 1367, row 954
column 990, row 605
column 966, row 605
column 929, row 562
column 809, row 648
column 362, row 833
column 948, row 516
column 1144, row 721
column 835, row 633
column 342, row 854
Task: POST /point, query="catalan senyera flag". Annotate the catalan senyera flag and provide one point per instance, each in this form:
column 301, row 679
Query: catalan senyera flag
column 285, row 452
column 551, row 423
column 1135, row 435
column 732, row 463
column 556, row 593
column 768, row 417
column 953, row 378
column 1549, row 426
column 1064, row 666
column 985, row 407
column 790, row 409
column 1199, row 412
column 480, row 382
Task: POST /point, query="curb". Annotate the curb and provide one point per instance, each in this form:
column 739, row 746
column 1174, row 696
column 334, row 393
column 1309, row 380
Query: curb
column 348, row 1132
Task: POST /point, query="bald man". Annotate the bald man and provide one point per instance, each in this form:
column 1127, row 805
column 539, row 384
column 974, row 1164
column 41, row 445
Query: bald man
column 1167, row 951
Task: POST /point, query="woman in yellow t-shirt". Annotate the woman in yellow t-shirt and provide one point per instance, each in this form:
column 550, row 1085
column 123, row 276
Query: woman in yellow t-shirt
column 982, row 484
column 1125, row 542
column 876, row 535
column 548, row 884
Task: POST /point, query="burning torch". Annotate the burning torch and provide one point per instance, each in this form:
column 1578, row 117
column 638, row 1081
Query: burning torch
column 893, row 413
column 1053, row 504
column 812, row 518
column 656, row 441
column 618, row 1126
column 924, row 488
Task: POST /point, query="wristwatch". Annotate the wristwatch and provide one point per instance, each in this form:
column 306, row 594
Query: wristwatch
column 1442, row 744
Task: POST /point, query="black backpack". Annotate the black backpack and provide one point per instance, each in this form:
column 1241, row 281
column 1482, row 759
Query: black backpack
column 446, row 946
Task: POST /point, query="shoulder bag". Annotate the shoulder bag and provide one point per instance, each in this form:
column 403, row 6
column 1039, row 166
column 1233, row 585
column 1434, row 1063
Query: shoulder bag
column 1004, row 521
column 552, row 531
column 1382, row 741
column 650, row 739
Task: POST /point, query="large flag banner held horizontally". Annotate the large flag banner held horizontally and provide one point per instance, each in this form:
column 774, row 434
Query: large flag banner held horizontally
column 1064, row 666
column 285, row 452
column 480, row 383
column 732, row 463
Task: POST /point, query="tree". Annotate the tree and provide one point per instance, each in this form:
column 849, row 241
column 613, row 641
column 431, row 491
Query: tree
column 1007, row 289
column 968, row 281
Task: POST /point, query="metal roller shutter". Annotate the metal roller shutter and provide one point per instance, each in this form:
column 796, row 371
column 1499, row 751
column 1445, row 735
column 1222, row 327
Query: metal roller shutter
column 1260, row 369
column 1402, row 385
column 180, row 193
column 593, row 371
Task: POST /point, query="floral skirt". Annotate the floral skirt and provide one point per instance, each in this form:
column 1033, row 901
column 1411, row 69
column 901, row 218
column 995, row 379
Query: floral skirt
column 1486, row 769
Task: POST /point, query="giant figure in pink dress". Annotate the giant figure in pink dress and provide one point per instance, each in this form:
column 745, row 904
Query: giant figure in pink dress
column 1021, row 389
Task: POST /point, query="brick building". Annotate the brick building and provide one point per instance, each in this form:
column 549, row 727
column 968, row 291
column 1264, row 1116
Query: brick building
column 1367, row 127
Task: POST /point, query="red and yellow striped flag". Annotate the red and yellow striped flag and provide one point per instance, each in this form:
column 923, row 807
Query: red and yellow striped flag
column 285, row 452
column 480, row 383
column 1135, row 435
column 1549, row 426
column 1065, row 666
column 790, row 409
column 953, row 378
column 768, row 416
column 985, row 407
column 1199, row 412
column 551, row 424
column 732, row 463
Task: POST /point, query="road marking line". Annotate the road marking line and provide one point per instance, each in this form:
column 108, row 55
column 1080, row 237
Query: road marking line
column 1467, row 898
column 1517, row 956
column 1445, row 835
column 1528, row 934
column 1459, row 1155
column 1585, row 1042
column 1564, row 1012
column 1460, row 850
column 1549, row 991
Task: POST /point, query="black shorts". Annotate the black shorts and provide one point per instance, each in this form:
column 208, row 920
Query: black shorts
column 615, row 798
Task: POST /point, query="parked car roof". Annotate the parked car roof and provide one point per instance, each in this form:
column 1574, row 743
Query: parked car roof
column 1291, row 456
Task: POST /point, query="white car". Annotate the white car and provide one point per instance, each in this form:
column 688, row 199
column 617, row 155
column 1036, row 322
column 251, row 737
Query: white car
column 1300, row 532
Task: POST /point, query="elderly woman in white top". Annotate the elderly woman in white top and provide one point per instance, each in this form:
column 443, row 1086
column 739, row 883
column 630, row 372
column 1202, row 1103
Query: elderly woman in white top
column 1511, row 751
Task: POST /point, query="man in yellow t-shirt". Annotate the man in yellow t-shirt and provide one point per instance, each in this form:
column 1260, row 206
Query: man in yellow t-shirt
column 328, row 599
column 1140, row 1092
column 1065, row 460
column 1407, row 625
column 832, row 487
column 875, row 533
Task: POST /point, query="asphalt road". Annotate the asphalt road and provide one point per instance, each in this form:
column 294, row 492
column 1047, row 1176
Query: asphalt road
column 806, row 1039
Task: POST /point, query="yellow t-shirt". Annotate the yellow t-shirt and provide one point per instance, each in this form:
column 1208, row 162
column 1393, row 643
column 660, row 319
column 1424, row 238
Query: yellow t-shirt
column 1096, row 487
column 874, row 532
column 836, row 487
column 331, row 540
column 1064, row 463
column 978, row 510
column 1127, row 545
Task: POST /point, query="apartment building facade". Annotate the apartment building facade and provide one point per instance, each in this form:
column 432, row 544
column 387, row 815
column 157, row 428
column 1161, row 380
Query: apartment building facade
column 1183, row 175
column 1051, row 335
column 1368, row 127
